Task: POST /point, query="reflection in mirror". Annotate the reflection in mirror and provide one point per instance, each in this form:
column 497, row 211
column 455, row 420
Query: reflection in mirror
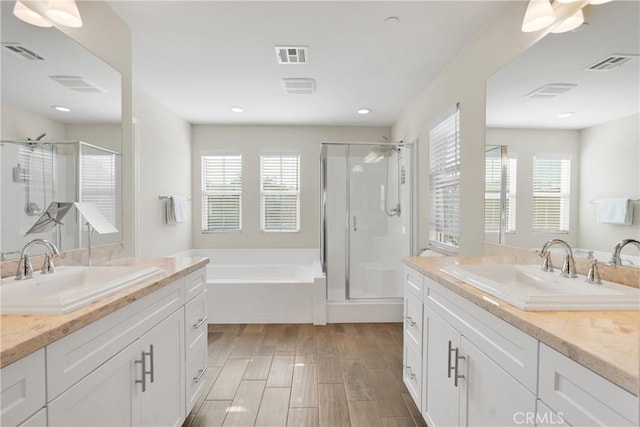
column 567, row 112
column 61, row 134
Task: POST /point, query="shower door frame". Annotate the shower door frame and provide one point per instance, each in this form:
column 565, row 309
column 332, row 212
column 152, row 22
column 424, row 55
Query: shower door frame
column 323, row 205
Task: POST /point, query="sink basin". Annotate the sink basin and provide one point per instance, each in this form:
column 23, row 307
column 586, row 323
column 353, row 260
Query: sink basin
column 69, row 288
column 529, row 288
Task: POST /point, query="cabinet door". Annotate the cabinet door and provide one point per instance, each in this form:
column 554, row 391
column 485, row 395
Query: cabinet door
column 489, row 395
column 162, row 401
column 196, row 348
column 442, row 394
column 106, row 397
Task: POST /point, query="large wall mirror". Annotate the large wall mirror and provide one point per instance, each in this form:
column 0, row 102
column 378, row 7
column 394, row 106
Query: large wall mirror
column 562, row 137
column 61, row 135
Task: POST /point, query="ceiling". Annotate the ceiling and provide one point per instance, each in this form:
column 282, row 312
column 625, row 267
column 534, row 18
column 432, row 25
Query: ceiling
column 600, row 96
column 201, row 57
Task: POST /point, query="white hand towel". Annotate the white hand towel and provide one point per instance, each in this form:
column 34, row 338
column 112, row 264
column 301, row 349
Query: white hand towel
column 180, row 208
column 615, row 211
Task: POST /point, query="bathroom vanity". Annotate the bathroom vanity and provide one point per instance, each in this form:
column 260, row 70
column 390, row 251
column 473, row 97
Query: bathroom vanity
column 471, row 359
column 138, row 357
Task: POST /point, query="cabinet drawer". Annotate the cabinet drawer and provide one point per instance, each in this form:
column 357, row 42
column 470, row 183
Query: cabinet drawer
column 76, row 355
column 513, row 350
column 195, row 319
column 583, row 397
column 412, row 374
column 23, row 389
column 195, row 283
column 413, row 321
column 196, row 375
column 413, row 282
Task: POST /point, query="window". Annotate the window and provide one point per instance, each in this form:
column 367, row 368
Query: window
column 98, row 183
column 493, row 180
column 551, row 195
column 444, row 157
column 222, row 192
column 280, row 192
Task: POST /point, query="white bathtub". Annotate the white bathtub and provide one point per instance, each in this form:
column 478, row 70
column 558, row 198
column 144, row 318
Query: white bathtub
column 264, row 285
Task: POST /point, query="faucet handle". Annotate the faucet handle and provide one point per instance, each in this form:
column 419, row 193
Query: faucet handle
column 593, row 276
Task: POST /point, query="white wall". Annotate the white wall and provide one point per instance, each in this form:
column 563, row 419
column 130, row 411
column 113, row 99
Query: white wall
column 251, row 141
column 524, row 144
column 20, row 124
column 464, row 80
column 609, row 167
column 102, row 134
column 164, row 167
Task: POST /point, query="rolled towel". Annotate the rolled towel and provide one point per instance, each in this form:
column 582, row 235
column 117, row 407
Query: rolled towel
column 177, row 209
column 615, row 211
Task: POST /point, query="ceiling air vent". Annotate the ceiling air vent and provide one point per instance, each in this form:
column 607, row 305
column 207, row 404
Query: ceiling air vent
column 550, row 91
column 292, row 54
column 22, row 51
column 299, row 86
column 77, row 84
column 610, row 62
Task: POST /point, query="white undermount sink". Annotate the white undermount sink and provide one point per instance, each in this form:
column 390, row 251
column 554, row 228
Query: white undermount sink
column 69, row 288
column 529, row 288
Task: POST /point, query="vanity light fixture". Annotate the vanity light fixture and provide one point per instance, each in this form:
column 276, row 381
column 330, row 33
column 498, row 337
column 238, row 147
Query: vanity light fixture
column 61, row 108
column 236, row 109
column 539, row 15
column 364, row 111
column 571, row 23
column 29, row 16
column 62, row 12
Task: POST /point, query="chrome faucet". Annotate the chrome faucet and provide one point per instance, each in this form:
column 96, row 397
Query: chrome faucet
column 25, row 269
column 615, row 258
column 568, row 266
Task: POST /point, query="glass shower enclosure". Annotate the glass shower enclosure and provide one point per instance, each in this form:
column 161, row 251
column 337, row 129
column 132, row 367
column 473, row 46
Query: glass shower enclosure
column 36, row 173
column 365, row 219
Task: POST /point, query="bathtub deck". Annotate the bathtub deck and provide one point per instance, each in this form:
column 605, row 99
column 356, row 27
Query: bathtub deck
column 299, row 375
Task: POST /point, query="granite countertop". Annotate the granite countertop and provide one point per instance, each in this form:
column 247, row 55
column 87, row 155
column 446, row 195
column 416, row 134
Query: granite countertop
column 607, row 342
column 21, row 335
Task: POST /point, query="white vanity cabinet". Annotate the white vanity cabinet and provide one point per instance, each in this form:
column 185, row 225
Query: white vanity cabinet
column 195, row 337
column 581, row 397
column 413, row 332
column 23, row 389
column 133, row 367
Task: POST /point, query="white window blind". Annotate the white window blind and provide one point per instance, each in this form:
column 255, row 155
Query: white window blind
column 98, row 183
column 222, row 192
column 551, row 194
column 280, row 192
column 493, row 178
column 444, row 159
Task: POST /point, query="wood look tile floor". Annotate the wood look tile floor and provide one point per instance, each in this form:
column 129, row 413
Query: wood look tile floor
column 305, row 375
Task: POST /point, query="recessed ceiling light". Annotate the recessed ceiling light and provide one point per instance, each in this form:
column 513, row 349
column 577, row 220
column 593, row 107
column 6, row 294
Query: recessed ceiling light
column 392, row 20
column 565, row 115
column 364, row 111
column 61, row 108
column 236, row 109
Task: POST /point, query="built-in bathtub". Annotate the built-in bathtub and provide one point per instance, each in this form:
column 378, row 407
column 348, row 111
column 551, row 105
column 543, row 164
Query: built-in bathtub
column 264, row 285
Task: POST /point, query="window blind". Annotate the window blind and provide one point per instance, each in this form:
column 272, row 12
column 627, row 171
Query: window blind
column 551, row 193
column 444, row 159
column 492, row 179
column 222, row 192
column 280, row 192
column 98, row 183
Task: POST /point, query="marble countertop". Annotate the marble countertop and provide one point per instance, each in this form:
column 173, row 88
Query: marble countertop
column 21, row 335
column 607, row 342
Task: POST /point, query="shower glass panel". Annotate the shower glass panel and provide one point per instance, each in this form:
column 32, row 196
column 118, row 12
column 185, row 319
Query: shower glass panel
column 36, row 173
column 366, row 232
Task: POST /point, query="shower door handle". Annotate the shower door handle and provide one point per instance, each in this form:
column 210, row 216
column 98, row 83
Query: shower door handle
column 354, row 223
